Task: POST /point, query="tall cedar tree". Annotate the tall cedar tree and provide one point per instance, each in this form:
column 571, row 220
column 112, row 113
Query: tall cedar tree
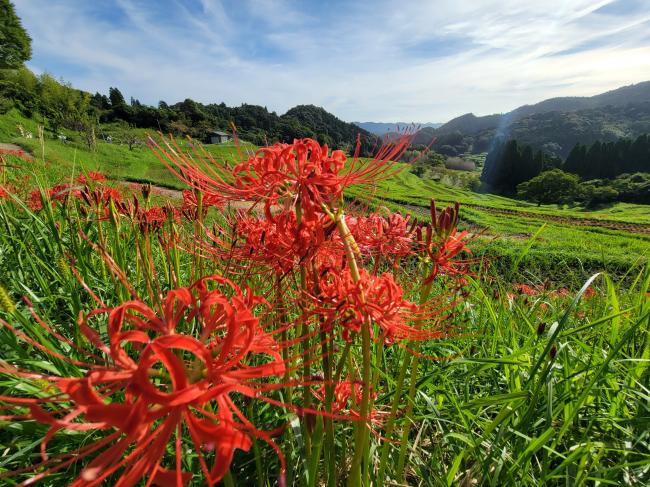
column 607, row 160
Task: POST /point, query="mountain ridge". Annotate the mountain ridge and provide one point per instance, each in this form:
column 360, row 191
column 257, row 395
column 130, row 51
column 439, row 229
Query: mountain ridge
column 554, row 124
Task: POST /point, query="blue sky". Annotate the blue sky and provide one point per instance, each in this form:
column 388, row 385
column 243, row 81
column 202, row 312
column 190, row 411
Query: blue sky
column 370, row 60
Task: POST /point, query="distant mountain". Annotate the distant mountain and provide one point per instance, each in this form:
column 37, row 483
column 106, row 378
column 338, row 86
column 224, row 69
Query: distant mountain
column 638, row 93
column 381, row 128
column 555, row 125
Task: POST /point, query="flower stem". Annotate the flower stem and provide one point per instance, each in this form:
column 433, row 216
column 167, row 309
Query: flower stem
column 397, row 396
column 361, row 435
column 424, row 296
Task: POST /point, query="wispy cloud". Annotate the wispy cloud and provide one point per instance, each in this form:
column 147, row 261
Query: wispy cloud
column 364, row 60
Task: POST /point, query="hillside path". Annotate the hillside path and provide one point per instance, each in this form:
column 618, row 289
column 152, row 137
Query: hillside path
column 14, row 147
column 177, row 194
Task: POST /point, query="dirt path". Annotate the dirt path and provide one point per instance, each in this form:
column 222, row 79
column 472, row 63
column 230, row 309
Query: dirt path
column 177, row 194
column 16, row 148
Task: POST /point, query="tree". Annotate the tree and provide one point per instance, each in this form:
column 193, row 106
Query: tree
column 62, row 105
column 15, row 43
column 600, row 195
column 554, row 186
column 116, row 97
column 18, row 87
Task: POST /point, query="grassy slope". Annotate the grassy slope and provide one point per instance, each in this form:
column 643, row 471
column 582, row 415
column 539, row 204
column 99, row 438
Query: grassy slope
column 115, row 160
column 563, row 252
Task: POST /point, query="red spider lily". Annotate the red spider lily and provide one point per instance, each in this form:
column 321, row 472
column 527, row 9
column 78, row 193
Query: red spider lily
column 442, row 243
column 527, row 290
column 346, row 396
column 303, row 173
column 100, row 195
column 95, row 176
column 4, row 194
column 342, row 393
column 157, row 382
column 375, row 299
column 17, row 153
column 190, row 203
column 590, row 292
column 152, row 219
column 377, row 235
column 278, row 242
column 55, row 194
column 443, row 257
column 560, row 293
column 35, row 201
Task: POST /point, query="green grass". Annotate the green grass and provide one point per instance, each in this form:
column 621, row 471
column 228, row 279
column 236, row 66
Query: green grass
column 540, row 390
column 115, row 160
column 566, row 251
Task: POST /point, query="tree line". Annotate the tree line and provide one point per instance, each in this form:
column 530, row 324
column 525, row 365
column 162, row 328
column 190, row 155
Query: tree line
column 606, row 160
column 509, row 164
column 61, row 105
column 600, row 173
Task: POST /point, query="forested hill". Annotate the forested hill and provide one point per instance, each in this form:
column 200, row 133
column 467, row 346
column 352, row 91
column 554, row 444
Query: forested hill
column 253, row 123
column 554, row 125
column 632, row 94
column 60, row 105
column 328, row 127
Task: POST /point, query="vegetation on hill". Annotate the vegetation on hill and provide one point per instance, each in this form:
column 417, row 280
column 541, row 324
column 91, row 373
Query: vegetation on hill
column 382, row 128
column 553, row 186
column 605, row 172
column 606, row 160
column 509, row 164
column 58, row 105
column 554, row 125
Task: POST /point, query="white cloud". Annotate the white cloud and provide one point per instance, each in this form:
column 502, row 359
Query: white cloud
column 373, row 60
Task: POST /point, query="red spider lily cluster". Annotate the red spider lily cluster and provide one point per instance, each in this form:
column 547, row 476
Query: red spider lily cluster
column 544, row 290
column 160, row 372
column 95, row 176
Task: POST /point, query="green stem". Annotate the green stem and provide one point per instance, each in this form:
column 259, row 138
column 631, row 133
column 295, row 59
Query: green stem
column 317, row 445
column 390, row 424
column 424, row 295
column 362, row 430
column 228, row 481
column 361, row 436
column 330, row 443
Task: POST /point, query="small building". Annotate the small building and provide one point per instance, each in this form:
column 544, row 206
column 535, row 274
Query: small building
column 218, row 137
